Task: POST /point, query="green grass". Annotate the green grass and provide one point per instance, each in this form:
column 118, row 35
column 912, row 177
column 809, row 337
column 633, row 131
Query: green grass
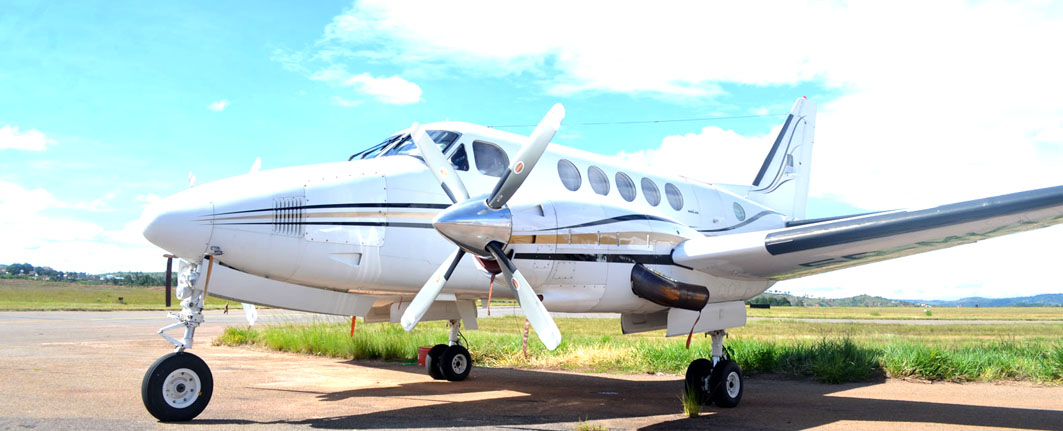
column 27, row 295
column 691, row 402
column 582, row 425
column 913, row 313
column 826, row 352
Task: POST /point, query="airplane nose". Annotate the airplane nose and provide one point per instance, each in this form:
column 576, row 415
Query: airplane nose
column 181, row 224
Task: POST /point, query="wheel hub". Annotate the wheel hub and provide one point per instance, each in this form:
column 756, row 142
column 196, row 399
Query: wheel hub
column 181, row 388
column 458, row 364
column 733, row 384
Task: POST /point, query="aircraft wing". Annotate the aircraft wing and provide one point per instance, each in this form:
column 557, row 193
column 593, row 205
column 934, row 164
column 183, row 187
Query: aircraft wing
column 813, row 248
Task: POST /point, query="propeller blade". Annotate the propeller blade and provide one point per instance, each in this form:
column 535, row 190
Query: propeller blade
column 428, row 293
column 527, row 158
column 529, row 302
column 439, row 165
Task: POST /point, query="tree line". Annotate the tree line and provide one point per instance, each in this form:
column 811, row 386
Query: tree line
column 30, row 272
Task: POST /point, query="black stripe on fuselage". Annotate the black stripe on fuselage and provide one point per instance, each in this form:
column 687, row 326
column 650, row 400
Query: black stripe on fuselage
column 896, row 223
column 752, row 219
column 647, row 259
column 622, row 218
column 335, row 223
column 347, row 205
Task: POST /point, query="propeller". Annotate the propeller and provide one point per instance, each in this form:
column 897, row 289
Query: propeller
column 527, row 157
column 540, row 318
column 441, row 168
column 483, row 225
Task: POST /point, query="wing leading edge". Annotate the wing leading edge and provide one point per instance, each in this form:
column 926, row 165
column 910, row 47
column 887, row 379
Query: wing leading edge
column 835, row 244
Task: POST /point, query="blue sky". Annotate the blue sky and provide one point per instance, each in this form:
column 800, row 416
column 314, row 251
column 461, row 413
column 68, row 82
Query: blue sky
column 105, row 106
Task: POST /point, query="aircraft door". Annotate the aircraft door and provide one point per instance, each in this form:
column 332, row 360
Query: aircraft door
column 710, row 205
column 578, row 247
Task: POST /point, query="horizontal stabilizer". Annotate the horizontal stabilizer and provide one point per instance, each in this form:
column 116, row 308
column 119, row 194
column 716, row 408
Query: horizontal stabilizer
column 841, row 243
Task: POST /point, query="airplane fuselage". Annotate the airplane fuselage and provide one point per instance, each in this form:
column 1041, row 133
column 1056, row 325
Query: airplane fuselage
column 365, row 226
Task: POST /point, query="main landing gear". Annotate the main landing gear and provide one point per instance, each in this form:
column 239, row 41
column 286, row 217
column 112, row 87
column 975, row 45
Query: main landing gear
column 449, row 361
column 178, row 386
column 717, row 381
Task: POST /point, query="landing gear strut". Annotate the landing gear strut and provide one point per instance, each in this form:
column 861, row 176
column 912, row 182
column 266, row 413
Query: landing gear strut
column 718, row 380
column 178, row 386
column 449, row 361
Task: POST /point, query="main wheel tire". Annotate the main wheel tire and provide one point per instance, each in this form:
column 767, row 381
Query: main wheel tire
column 177, row 387
column 455, row 363
column 725, row 383
column 697, row 380
column 431, row 361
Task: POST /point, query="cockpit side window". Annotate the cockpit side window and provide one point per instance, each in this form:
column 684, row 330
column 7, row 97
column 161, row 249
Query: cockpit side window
column 490, row 160
column 375, row 150
column 405, row 146
column 460, row 159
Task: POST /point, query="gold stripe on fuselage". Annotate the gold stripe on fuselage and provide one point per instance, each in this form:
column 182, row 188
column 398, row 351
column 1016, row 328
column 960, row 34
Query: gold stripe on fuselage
column 604, row 238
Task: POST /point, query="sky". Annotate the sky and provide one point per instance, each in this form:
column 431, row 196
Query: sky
column 107, row 106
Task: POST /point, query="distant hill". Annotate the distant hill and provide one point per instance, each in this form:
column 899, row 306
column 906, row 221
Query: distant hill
column 1044, row 300
column 783, row 299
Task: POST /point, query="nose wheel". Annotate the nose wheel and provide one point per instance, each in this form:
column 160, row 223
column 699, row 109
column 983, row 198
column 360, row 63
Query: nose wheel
column 451, row 362
column 177, row 387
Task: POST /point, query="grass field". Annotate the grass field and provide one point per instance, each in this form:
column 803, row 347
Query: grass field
column 25, row 295
column 913, row 313
column 828, row 352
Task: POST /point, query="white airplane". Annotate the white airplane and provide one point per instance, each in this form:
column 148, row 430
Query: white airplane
column 582, row 233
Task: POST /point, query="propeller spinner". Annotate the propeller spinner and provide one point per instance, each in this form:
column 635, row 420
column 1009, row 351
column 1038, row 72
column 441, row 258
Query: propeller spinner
column 483, row 225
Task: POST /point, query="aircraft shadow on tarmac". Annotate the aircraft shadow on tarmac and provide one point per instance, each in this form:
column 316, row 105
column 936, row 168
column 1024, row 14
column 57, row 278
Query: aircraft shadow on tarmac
column 544, row 397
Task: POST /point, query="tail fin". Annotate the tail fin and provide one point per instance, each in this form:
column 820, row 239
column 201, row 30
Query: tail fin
column 782, row 183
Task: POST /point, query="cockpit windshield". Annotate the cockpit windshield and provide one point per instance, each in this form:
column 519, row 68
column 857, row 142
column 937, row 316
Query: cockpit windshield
column 401, row 144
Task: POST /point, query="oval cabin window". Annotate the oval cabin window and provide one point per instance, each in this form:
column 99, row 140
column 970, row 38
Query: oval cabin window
column 651, row 192
column 569, row 174
column 675, row 198
column 625, row 186
column 599, row 181
column 740, row 213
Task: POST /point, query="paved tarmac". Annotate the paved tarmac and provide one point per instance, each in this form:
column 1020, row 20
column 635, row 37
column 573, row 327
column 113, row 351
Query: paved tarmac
column 70, row 370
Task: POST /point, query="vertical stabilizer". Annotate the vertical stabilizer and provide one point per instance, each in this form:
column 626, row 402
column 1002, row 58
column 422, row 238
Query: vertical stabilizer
column 782, row 182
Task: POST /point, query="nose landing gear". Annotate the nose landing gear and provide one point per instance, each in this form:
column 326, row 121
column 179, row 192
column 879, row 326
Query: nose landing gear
column 451, row 362
column 178, row 386
column 717, row 381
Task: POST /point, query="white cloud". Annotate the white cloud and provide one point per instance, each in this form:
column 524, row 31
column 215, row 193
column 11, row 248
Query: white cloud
column 938, row 102
column 218, row 106
column 339, row 101
column 391, row 90
column 45, row 231
column 714, row 155
column 31, row 140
